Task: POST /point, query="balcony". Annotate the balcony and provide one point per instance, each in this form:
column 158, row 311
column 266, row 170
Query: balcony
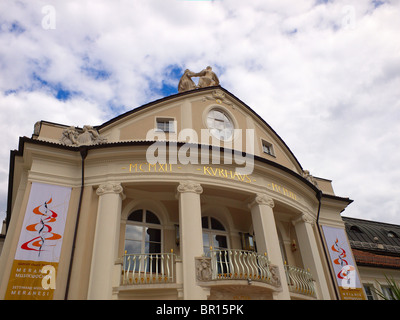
column 300, row 281
column 148, row 268
column 242, row 265
column 163, row 271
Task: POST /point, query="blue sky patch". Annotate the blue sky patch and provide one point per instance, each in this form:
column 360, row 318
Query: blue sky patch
column 13, row 27
column 169, row 86
column 94, row 69
column 56, row 89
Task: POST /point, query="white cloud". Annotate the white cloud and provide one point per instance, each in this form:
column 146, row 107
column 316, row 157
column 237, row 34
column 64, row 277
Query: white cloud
column 325, row 76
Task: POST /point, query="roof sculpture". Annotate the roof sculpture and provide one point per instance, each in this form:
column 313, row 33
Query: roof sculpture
column 207, row 79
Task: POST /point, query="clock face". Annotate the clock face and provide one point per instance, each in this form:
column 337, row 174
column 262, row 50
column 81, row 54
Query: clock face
column 220, row 125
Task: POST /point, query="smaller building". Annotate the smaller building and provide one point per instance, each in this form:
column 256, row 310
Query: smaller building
column 376, row 249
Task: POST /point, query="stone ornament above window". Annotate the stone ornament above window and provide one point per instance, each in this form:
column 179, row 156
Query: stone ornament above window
column 87, row 136
column 219, row 97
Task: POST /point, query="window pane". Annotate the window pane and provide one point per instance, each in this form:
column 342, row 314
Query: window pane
column 153, row 235
column 136, row 216
column 206, row 240
column 206, row 243
column 387, row 291
column 133, row 232
column 219, row 115
column 218, row 125
column 160, row 125
column 216, row 225
column 166, row 125
column 151, row 218
column 220, row 242
column 368, row 292
column 133, row 246
column 152, row 247
column 204, row 222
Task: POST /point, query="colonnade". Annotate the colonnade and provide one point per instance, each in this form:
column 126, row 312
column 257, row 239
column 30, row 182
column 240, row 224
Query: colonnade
column 107, row 232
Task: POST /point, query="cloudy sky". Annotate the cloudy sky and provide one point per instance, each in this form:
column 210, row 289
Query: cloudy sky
column 324, row 74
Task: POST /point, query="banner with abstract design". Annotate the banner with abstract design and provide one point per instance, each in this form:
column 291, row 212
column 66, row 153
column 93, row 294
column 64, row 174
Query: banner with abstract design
column 343, row 264
column 39, row 243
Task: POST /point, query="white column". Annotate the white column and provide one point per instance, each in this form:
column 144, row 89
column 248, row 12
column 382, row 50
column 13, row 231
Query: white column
column 267, row 238
column 105, row 240
column 310, row 254
column 191, row 237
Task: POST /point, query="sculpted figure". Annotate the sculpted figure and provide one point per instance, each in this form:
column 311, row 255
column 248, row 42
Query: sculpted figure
column 309, row 177
column 186, row 83
column 90, row 136
column 72, row 137
column 69, row 136
column 207, row 78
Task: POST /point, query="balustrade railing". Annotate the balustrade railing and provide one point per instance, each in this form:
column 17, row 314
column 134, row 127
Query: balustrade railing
column 240, row 264
column 148, row 268
column 300, row 280
column 229, row 264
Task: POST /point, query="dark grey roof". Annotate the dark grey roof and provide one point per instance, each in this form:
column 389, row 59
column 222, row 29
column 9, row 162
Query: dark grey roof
column 373, row 236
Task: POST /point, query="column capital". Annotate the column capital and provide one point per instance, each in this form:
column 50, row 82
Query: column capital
column 190, row 186
column 262, row 199
column 110, row 187
column 305, row 218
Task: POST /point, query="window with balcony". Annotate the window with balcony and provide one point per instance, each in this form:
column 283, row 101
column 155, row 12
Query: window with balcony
column 144, row 261
column 214, row 234
column 142, row 233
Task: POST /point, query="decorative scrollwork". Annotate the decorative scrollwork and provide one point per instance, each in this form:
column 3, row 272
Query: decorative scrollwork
column 190, row 186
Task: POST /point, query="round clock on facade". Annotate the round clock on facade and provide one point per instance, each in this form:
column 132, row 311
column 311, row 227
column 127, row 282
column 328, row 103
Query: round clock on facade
column 220, row 125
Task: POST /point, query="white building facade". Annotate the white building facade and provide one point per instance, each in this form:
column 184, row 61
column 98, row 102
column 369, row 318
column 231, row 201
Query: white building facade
column 192, row 196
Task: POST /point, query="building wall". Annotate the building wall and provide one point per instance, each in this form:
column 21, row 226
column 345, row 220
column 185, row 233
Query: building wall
column 275, row 201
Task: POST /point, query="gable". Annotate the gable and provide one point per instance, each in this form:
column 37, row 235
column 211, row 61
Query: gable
column 190, row 112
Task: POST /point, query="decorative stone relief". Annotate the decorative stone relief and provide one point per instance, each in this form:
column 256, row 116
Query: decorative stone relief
column 275, row 279
column 190, row 186
column 306, row 174
column 110, row 187
column 218, row 96
column 75, row 137
column 36, row 128
column 203, row 268
column 207, row 79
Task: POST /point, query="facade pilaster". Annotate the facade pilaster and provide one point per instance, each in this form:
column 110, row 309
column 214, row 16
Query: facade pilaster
column 310, row 254
column 105, row 240
column 191, row 237
column 267, row 237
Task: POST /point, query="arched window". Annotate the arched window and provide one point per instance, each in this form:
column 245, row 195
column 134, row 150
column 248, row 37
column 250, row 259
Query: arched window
column 142, row 233
column 214, row 234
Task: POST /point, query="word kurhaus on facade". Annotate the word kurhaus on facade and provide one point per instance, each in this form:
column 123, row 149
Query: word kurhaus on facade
column 134, row 229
